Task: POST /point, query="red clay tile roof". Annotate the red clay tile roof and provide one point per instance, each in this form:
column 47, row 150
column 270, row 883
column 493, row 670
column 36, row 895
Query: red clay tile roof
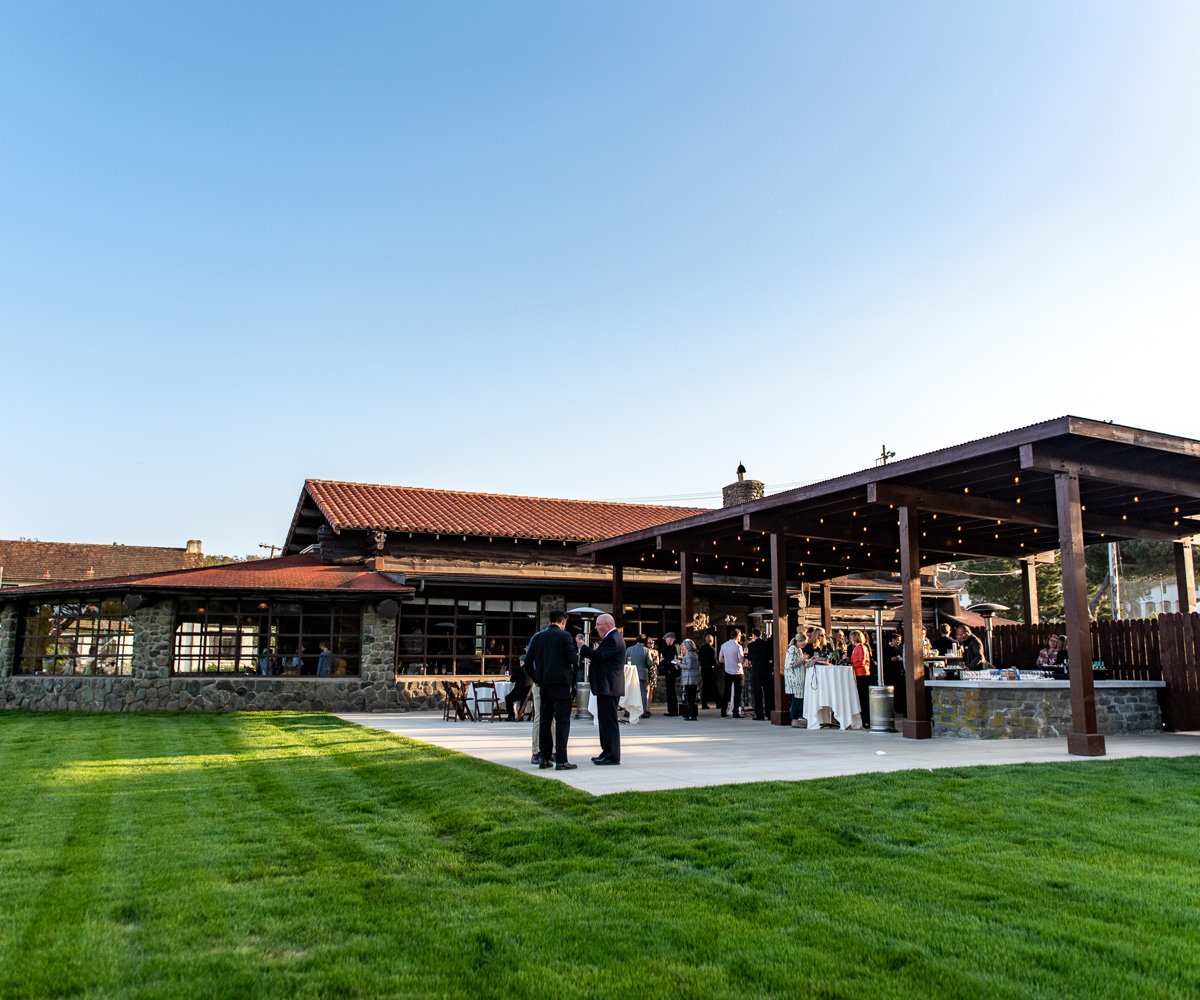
column 453, row 512
column 291, row 573
column 57, row 561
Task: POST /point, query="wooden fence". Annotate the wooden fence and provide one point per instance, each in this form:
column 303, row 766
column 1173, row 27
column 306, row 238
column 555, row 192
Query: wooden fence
column 1166, row 648
column 1181, row 670
column 1130, row 649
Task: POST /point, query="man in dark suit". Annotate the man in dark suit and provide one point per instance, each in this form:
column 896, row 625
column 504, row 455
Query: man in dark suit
column 606, row 674
column 551, row 659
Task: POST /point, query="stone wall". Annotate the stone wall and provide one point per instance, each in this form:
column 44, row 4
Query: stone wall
column 216, row 694
column 8, row 638
column 546, row 604
column 1020, row 712
column 153, row 639
column 378, row 647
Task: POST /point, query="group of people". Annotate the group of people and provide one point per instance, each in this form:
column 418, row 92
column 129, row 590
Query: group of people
column 704, row 673
column 551, row 660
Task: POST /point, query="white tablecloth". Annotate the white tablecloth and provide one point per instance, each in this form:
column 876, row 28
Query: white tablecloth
column 502, row 690
column 831, row 690
column 631, row 700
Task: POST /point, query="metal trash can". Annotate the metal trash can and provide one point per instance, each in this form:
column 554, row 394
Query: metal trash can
column 583, row 692
column 883, row 710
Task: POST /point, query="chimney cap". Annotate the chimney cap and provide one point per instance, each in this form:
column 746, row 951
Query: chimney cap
column 741, row 473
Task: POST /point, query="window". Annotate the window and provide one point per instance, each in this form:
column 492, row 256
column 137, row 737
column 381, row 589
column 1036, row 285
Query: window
column 450, row 635
column 267, row 637
column 90, row 636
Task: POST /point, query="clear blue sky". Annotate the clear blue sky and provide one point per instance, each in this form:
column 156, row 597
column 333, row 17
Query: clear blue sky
column 599, row 250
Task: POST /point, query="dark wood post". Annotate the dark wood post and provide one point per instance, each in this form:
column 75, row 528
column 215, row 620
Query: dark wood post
column 827, row 608
column 779, row 605
column 1029, row 596
column 685, row 594
column 618, row 594
column 1083, row 740
column 917, row 726
column 1185, row 577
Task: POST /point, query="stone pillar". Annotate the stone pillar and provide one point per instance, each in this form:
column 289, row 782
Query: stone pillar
column 153, row 638
column 378, row 647
column 546, row 604
column 8, row 639
column 743, row 491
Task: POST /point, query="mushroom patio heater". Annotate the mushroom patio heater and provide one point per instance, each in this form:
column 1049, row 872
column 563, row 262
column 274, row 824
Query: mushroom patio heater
column 583, row 689
column 883, row 713
column 987, row 612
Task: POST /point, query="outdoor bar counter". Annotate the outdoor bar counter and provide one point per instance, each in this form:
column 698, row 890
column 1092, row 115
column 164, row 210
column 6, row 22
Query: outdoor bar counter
column 1023, row 709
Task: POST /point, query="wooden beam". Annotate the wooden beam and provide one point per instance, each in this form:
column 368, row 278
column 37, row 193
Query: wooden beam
column 618, row 594
column 1185, row 577
column 985, row 508
column 1084, row 739
column 1029, row 594
column 917, row 724
column 1039, row 458
column 685, row 593
column 827, row 608
column 779, row 606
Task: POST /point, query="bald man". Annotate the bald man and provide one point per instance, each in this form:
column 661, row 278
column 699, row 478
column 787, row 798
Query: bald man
column 606, row 674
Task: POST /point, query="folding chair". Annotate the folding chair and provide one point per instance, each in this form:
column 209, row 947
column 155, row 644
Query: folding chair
column 455, row 707
column 486, row 701
column 525, row 712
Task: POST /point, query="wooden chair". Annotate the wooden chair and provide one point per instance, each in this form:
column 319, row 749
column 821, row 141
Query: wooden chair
column 525, row 712
column 487, row 702
column 455, row 707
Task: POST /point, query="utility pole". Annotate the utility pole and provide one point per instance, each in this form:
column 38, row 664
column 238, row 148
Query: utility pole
column 264, row 545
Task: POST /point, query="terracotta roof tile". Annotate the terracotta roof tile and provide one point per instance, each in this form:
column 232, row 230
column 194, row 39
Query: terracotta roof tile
column 57, row 561
column 453, row 512
column 294, row 573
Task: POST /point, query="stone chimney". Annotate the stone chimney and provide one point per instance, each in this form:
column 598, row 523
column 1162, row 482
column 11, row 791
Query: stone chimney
column 194, row 555
column 743, row 491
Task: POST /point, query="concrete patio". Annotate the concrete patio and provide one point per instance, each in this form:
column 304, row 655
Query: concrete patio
column 663, row 753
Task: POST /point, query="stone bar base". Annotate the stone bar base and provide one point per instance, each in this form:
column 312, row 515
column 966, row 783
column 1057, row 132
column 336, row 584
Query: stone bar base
column 216, row 694
column 1032, row 709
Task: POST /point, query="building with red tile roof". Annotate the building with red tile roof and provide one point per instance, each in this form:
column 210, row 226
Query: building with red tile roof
column 24, row 562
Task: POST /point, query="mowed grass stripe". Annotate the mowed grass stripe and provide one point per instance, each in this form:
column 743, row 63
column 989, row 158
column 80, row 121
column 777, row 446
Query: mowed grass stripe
column 294, row 855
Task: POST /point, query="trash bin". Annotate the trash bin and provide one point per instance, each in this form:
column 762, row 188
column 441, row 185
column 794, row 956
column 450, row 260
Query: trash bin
column 883, row 712
column 583, row 692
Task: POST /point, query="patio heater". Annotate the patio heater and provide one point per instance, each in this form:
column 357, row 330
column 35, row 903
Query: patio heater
column 583, row 689
column 987, row 612
column 883, row 713
column 766, row 619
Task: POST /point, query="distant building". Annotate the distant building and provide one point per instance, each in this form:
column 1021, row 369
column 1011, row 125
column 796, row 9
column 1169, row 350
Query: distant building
column 24, row 563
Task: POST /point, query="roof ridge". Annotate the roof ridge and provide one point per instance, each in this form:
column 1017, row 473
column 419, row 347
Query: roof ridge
column 502, row 496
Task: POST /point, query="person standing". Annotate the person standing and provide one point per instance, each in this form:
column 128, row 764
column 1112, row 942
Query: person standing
column 520, row 687
column 762, row 675
column 669, row 669
column 551, row 659
column 639, row 655
column 324, row 661
column 689, row 677
column 794, row 677
column 710, row 690
column 972, row 648
column 653, row 659
column 606, row 674
column 860, row 660
column 731, row 657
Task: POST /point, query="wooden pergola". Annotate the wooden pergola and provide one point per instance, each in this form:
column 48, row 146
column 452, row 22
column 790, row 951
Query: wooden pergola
column 1062, row 484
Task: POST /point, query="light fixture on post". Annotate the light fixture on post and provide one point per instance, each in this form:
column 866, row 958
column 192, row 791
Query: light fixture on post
column 583, row 689
column 987, row 612
column 883, row 712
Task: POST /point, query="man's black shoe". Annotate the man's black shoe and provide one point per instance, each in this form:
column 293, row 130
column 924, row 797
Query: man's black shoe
column 604, row 760
column 545, row 764
column 597, row 760
column 565, row 767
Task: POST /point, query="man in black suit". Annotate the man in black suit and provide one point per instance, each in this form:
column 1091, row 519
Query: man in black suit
column 762, row 676
column 606, row 674
column 551, row 659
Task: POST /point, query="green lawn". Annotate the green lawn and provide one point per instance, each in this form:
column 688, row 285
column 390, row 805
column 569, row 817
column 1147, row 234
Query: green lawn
column 266, row 855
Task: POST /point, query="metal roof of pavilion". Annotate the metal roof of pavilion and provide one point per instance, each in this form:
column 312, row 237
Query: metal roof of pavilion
column 991, row 497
